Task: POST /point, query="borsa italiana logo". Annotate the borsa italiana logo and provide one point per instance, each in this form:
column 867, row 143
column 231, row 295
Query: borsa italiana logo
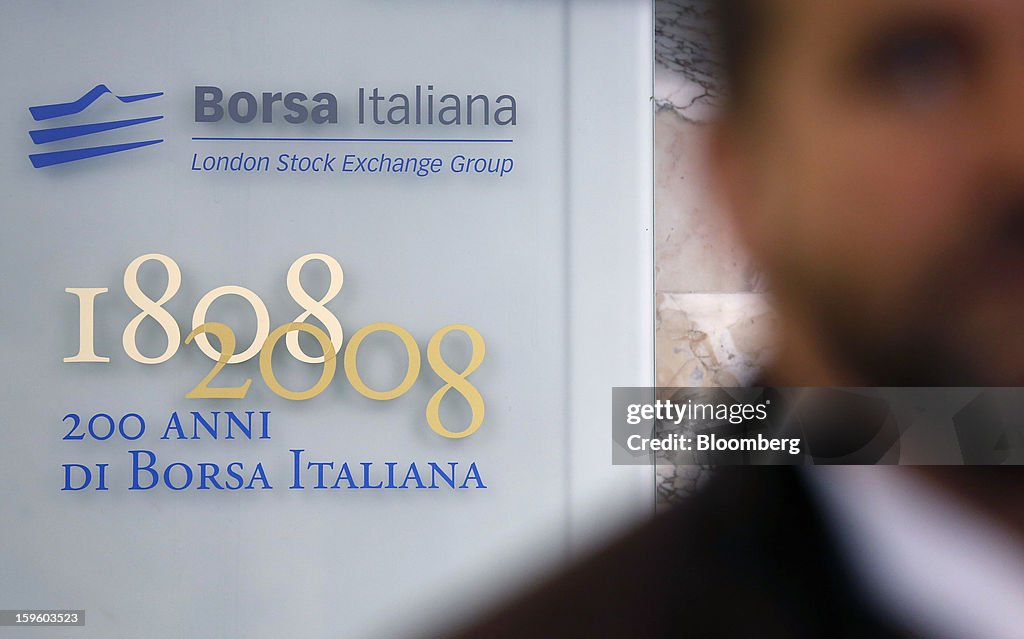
column 58, row 111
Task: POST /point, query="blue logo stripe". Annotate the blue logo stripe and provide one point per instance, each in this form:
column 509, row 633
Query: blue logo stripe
column 47, row 111
column 42, row 136
column 39, row 160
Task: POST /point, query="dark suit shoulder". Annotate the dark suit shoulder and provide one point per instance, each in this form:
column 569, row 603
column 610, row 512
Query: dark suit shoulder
column 747, row 556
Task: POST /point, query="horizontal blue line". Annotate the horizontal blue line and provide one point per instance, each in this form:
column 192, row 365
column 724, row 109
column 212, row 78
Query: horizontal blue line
column 504, row 141
column 43, row 136
column 39, row 160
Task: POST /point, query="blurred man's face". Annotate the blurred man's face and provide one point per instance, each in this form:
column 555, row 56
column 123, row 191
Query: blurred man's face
column 878, row 174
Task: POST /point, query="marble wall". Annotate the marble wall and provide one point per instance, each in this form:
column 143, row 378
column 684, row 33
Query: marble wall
column 714, row 325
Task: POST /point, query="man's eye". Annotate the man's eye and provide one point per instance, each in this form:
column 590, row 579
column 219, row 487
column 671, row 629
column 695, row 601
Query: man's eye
column 919, row 65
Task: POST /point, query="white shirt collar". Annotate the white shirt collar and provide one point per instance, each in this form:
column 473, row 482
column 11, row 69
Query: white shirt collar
column 929, row 561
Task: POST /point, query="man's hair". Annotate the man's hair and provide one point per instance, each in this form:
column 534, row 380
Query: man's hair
column 740, row 28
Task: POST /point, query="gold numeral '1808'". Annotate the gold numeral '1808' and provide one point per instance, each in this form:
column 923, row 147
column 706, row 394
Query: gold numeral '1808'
column 264, row 341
